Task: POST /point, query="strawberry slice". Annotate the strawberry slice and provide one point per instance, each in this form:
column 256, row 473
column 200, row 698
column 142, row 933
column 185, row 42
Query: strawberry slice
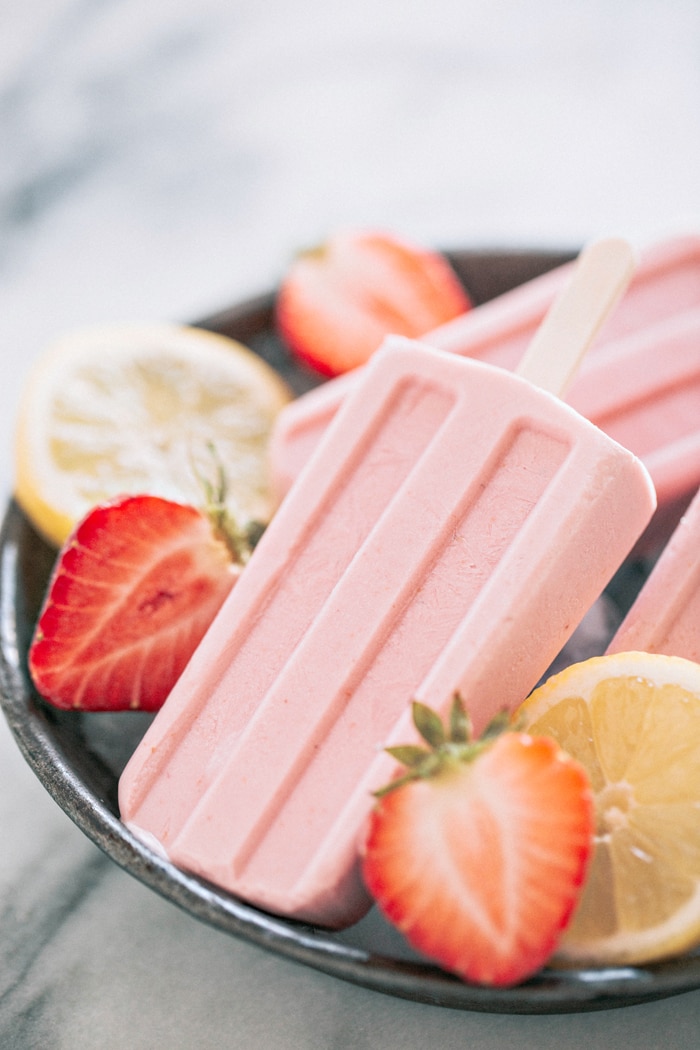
column 338, row 302
column 132, row 592
column 478, row 853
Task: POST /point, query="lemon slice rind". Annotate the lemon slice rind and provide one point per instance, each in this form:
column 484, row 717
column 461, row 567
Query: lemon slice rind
column 136, row 408
column 641, row 901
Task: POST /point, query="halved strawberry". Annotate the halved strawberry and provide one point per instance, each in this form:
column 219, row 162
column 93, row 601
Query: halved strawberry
column 132, row 593
column 478, row 854
column 337, row 302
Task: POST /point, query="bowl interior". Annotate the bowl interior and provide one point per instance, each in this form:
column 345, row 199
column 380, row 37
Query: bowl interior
column 79, row 756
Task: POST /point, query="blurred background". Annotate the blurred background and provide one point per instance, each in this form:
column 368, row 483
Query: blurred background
column 164, row 160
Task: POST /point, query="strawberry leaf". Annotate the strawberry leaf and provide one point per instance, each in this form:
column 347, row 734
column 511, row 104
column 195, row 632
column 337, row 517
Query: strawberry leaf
column 428, row 724
column 496, row 726
column 409, row 755
column 460, row 723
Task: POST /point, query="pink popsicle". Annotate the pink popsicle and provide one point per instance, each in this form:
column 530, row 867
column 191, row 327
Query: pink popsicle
column 367, row 591
column 454, row 526
column 665, row 618
column 640, row 381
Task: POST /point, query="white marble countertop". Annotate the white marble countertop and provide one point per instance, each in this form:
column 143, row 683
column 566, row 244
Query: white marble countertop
column 164, row 160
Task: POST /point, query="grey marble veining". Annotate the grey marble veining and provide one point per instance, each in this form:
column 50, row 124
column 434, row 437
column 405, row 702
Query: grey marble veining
column 161, row 160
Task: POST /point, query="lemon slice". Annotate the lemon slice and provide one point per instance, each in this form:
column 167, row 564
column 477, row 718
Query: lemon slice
column 633, row 720
column 137, row 409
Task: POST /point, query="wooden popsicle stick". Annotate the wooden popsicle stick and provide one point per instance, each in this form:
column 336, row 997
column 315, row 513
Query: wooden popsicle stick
column 601, row 274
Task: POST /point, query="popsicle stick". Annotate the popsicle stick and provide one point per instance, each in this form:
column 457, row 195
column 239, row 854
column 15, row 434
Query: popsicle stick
column 602, row 273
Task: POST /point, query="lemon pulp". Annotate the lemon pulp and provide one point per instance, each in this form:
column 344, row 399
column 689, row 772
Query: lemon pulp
column 133, row 409
column 633, row 720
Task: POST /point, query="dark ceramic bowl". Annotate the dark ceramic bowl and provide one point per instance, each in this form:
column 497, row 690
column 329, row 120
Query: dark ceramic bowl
column 78, row 757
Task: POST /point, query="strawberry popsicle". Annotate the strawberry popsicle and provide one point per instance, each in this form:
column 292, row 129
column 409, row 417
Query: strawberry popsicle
column 453, row 527
column 640, row 381
column 665, row 617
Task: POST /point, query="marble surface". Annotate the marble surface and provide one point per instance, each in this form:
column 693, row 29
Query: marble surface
column 162, row 160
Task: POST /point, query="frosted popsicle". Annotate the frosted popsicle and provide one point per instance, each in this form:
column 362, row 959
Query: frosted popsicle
column 665, row 618
column 640, row 381
column 455, row 524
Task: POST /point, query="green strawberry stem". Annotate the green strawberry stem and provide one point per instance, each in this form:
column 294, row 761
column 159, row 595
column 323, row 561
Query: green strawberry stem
column 448, row 744
column 239, row 540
